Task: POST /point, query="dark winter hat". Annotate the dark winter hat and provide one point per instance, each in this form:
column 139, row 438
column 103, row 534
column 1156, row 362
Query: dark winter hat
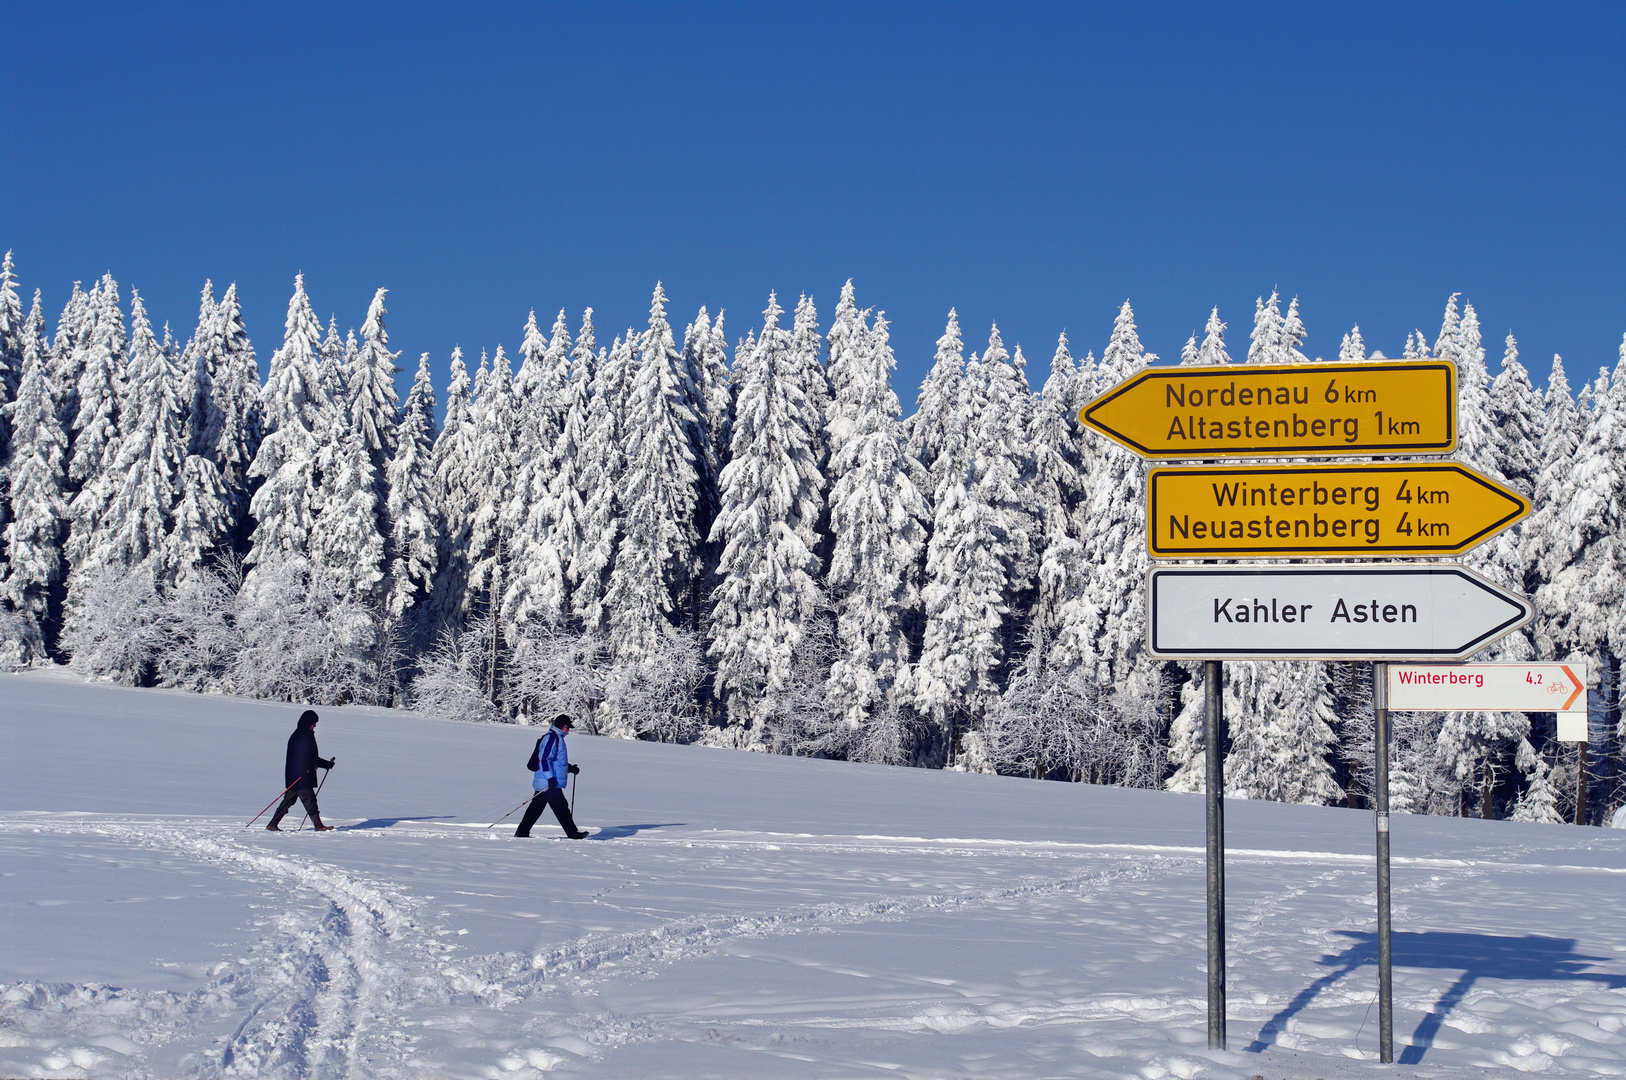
column 308, row 717
column 563, row 720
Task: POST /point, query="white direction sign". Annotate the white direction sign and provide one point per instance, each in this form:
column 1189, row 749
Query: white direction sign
column 1326, row 612
column 1554, row 688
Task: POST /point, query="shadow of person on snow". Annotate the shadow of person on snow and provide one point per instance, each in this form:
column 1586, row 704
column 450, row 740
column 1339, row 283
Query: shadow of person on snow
column 386, row 822
column 616, row 832
column 1476, row 956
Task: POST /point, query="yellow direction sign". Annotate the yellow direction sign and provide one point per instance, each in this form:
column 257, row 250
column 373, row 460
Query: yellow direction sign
column 1324, row 511
column 1282, row 410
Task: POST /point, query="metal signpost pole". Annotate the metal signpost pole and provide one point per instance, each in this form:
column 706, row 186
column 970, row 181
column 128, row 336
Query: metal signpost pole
column 1580, row 784
column 1386, row 1003
column 1213, row 735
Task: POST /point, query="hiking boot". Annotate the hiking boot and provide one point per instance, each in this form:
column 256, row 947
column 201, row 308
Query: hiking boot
column 272, row 826
column 579, row 834
column 316, row 824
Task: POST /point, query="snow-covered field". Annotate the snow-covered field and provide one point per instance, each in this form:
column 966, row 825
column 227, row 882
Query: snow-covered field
column 738, row 915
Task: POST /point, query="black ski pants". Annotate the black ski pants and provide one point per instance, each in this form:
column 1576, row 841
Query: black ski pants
column 554, row 798
column 305, row 795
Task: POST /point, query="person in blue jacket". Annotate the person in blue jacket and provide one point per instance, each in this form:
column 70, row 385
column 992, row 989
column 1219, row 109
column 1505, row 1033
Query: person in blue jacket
column 299, row 772
column 552, row 766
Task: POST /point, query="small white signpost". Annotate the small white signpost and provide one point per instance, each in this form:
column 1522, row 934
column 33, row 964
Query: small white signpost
column 1554, row 688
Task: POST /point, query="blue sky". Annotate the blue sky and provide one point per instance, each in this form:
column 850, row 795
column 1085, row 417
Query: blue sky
column 1033, row 165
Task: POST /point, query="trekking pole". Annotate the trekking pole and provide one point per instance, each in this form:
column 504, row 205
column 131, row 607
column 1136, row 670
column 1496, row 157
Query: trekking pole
column 268, row 805
column 327, row 773
column 510, row 813
column 572, row 794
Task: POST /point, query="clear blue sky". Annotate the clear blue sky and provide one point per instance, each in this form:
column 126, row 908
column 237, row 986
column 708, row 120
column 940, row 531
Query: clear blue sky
column 1033, row 165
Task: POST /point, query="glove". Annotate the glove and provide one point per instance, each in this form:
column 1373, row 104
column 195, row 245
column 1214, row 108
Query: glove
column 329, row 763
column 574, row 769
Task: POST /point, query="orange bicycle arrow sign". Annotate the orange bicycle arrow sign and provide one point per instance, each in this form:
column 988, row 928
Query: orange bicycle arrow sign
column 1282, row 410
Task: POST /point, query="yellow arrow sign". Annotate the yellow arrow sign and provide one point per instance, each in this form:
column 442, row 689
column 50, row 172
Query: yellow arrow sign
column 1324, row 511
column 1282, row 410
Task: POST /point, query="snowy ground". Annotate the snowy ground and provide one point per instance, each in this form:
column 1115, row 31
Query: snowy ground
column 738, row 916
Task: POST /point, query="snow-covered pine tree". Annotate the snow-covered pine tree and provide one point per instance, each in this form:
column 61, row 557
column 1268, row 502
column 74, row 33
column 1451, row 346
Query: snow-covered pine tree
column 566, row 490
column 496, row 424
column 537, row 590
column 373, row 404
column 1103, row 626
column 1281, row 749
column 603, row 463
column 770, row 507
column 705, row 362
column 705, row 357
column 1543, row 537
column 73, row 328
column 412, row 513
column 11, row 368
column 455, row 485
column 95, row 431
column 1058, row 488
column 1476, row 413
column 11, row 372
column 298, row 418
column 145, row 481
column 32, row 343
column 201, row 358
column 655, row 563
column 1352, row 350
column 1006, row 477
column 39, row 512
column 981, row 538
column 1585, row 589
column 937, row 426
column 848, row 369
column 807, row 349
column 11, row 336
column 202, row 522
column 877, row 516
column 1265, row 344
column 96, row 427
column 1445, row 346
column 1539, row 802
column 1293, row 335
column 532, row 408
column 347, row 549
column 1212, row 351
column 335, row 361
column 1518, row 417
column 237, row 404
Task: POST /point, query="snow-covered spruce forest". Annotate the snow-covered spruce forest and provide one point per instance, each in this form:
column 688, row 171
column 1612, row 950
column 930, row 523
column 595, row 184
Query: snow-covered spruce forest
column 746, row 546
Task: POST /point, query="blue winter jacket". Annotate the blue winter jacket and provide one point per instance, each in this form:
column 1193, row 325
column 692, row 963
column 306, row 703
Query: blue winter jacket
column 552, row 763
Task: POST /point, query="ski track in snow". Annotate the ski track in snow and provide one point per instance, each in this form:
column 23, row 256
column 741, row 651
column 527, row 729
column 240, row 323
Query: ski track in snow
column 306, row 995
column 317, row 1001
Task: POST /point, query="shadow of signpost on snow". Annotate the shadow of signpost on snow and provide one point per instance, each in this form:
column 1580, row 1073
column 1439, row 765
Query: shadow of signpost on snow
column 1476, row 956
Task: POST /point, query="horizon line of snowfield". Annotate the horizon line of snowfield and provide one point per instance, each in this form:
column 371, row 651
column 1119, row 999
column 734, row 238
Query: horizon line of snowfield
column 746, row 546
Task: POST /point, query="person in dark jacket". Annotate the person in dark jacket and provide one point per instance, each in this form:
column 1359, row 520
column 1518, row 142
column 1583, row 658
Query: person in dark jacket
column 300, row 772
column 553, row 768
